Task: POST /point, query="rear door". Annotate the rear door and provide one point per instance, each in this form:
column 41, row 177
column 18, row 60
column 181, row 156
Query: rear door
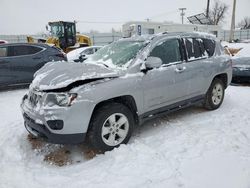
column 198, row 65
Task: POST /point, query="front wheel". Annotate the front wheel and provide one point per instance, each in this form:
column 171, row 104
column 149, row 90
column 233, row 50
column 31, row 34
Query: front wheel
column 111, row 126
column 215, row 95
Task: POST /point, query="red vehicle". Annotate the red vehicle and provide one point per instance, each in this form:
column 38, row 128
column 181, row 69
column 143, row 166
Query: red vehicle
column 3, row 41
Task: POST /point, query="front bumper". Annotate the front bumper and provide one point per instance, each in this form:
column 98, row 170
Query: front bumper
column 40, row 130
column 75, row 120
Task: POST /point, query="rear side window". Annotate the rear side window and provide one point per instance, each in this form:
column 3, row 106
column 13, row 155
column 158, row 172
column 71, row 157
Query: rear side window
column 197, row 48
column 3, row 51
column 202, row 48
column 23, row 50
column 168, row 51
column 193, row 48
column 189, row 47
column 209, row 46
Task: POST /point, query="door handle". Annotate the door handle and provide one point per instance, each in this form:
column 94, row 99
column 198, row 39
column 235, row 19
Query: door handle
column 180, row 69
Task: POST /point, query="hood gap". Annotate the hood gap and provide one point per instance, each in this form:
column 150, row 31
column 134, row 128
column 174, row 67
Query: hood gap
column 73, row 85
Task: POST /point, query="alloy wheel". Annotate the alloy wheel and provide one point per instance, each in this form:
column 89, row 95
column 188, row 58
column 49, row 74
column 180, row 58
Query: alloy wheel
column 115, row 129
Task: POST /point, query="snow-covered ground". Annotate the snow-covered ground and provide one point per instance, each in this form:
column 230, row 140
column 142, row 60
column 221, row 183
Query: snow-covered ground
column 192, row 148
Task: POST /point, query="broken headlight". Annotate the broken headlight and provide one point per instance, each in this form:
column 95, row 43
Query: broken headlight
column 60, row 99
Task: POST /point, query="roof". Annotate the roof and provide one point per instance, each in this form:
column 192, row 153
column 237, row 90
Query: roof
column 171, row 34
column 28, row 44
column 192, row 34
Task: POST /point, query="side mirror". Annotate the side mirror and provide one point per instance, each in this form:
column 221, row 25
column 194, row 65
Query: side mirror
column 82, row 57
column 153, row 62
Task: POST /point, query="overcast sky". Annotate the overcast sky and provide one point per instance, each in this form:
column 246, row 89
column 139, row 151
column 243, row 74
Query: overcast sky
column 31, row 16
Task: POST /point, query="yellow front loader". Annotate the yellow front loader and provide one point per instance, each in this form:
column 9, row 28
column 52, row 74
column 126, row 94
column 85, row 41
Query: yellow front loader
column 64, row 36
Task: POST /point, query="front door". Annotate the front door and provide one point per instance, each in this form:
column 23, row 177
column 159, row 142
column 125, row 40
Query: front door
column 168, row 84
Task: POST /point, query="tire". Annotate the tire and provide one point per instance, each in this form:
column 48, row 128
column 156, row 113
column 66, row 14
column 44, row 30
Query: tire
column 215, row 95
column 105, row 132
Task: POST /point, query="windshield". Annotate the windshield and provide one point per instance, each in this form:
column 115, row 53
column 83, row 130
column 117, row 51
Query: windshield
column 57, row 30
column 118, row 53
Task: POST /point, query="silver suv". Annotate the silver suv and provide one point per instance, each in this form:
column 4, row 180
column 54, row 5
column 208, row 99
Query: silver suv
column 124, row 84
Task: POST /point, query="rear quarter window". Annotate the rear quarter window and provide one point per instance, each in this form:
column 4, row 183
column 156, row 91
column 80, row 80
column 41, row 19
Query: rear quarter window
column 199, row 48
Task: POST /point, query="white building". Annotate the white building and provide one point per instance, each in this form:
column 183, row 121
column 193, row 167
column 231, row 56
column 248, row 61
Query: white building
column 142, row 27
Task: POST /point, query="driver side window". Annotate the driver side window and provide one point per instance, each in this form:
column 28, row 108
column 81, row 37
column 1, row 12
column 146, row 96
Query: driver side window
column 168, row 51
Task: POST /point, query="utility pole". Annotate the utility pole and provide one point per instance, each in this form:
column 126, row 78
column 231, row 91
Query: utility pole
column 207, row 12
column 182, row 14
column 232, row 23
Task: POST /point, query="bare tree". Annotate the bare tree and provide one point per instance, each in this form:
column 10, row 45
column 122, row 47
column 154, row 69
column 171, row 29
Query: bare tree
column 245, row 23
column 218, row 12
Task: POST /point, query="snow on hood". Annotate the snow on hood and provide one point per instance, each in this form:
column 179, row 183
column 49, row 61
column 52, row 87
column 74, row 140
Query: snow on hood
column 56, row 75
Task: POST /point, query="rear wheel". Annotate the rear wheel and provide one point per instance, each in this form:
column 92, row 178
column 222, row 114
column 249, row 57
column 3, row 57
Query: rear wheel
column 111, row 126
column 215, row 95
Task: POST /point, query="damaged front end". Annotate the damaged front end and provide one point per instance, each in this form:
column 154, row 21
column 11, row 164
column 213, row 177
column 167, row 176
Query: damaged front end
column 52, row 116
column 56, row 108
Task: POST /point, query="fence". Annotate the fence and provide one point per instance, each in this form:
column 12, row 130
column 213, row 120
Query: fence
column 107, row 38
column 97, row 38
column 238, row 34
column 13, row 38
column 103, row 38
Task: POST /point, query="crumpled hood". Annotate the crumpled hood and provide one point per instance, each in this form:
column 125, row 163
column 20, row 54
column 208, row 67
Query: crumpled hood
column 56, row 75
